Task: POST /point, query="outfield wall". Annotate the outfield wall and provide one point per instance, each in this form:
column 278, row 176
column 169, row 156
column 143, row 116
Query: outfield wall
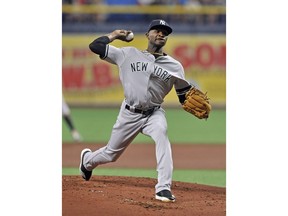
column 89, row 81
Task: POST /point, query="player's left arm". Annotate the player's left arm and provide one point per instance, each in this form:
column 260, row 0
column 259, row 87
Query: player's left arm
column 193, row 100
column 181, row 92
column 181, row 85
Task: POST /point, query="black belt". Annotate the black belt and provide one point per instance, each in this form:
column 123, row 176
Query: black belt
column 144, row 112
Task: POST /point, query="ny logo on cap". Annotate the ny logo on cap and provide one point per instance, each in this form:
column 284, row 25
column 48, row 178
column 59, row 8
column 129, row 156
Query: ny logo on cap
column 162, row 22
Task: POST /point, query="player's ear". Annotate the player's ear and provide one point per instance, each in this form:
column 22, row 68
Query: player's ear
column 147, row 34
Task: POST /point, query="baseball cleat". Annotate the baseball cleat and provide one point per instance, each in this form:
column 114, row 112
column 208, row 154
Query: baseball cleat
column 165, row 196
column 83, row 171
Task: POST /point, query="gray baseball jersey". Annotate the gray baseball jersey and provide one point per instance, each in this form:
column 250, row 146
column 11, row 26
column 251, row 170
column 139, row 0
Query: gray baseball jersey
column 146, row 81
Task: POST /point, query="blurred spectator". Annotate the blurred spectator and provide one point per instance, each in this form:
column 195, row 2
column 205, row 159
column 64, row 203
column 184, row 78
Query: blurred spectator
column 84, row 18
column 169, row 2
column 124, row 17
column 212, row 18
column 193, row 18
column 205, row 19
column 199, row 20
column 67, row 1
column 123, row 2
column 145, row 2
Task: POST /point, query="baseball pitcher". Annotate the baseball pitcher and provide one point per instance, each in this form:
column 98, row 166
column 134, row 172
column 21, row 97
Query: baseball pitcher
column 147, row 76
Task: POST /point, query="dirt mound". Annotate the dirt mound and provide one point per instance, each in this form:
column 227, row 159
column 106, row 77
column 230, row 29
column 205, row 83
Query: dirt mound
column 114, row 195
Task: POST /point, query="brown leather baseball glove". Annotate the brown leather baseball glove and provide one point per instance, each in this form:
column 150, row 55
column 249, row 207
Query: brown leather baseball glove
column 197, row 103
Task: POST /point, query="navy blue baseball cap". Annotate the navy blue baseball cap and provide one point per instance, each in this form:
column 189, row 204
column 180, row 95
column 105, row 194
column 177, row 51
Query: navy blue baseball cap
column 160, row 24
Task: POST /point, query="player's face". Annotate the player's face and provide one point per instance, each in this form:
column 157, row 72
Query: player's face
column 157, row 37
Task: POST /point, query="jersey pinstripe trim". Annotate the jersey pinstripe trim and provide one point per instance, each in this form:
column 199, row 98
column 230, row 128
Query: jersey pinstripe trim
column 106, row 52
column 181, row 93
column 183, row 90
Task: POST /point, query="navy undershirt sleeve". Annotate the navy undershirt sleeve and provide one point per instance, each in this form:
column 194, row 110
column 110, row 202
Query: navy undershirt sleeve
column 98, row 46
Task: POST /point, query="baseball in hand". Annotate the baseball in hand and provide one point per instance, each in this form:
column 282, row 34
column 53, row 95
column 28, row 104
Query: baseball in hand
column 130, row 36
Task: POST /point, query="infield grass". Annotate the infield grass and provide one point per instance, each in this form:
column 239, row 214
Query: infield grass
column 95, row 125
column 206, row 177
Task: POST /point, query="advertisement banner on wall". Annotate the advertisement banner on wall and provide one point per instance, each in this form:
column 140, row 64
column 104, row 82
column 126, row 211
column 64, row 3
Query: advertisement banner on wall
column 88, row 80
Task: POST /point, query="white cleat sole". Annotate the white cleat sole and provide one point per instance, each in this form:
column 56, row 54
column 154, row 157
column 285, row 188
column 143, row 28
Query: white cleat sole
column 164, row 199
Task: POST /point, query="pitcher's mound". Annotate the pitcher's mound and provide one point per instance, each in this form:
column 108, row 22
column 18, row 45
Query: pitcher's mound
column 125, row 196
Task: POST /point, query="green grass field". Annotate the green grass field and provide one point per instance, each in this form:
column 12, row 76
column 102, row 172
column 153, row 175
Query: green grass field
column 95, row 126
column 207, row 177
